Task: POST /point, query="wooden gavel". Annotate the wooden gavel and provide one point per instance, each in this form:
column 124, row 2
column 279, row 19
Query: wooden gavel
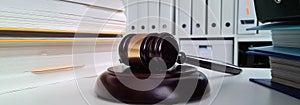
column 162, row 51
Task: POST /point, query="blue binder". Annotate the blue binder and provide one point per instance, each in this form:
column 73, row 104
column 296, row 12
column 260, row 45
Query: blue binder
column 279, row 87
column 279, row 52
column 277, row 26
column 292, row 52
column 274, row 55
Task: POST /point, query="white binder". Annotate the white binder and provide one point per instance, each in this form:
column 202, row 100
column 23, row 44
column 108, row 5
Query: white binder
column 167, row 17
column 228, row 17
column 198, row 17
column 131, row 13
column 214, row 17
column 246, row 17
column 153, row 11
column 184, row 10
column 142, row 17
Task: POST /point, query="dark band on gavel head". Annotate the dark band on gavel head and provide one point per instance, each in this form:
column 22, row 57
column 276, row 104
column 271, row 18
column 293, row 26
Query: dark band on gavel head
column 137, row 50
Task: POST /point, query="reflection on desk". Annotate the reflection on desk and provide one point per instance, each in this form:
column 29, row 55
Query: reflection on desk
column 226, row 90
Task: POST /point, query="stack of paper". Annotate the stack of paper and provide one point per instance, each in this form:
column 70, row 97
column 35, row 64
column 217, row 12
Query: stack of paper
column 286, row 38
column 284, row 62
column 284, row 55
column 286, row 72
column 72, row 15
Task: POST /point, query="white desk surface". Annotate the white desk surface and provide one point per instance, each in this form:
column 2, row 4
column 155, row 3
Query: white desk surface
column 225, row 90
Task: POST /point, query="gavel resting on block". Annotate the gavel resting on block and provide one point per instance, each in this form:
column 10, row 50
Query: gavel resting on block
column 154, row 72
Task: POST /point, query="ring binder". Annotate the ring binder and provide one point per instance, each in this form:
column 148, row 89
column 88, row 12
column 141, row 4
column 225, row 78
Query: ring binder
column 213, row 17
column 198, row 17
column 167, row 16
column 184, row 9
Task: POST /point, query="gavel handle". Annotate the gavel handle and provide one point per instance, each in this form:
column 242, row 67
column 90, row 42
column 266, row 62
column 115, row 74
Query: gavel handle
column 213, row 65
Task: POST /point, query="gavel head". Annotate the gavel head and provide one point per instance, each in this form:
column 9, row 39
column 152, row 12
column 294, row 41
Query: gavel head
column 149, row 50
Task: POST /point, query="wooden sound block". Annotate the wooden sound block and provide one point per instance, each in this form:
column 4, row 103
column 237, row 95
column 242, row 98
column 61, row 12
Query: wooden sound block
column 129, row 85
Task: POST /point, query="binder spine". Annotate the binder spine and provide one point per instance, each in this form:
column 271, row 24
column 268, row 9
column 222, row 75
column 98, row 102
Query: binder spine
column 198, row 17
column 213, row 17
column 184, row 9
column 228, row 17
column 131, row 8
column 246, row 16
column 153, row 11
column 167, row 16
column 142, row 17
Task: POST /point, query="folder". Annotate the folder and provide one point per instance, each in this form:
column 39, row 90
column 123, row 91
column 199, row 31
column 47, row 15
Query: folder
column 131, row 8
column 142, row 16
column 294, row 52
column 153, row 11
column 277, row 86
column 213, row 17
column 246, row 17
column 276, row 26
column 198, row 17
column 167, row 16
column 228, row 16
column 269, row 54
column 184, row 10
